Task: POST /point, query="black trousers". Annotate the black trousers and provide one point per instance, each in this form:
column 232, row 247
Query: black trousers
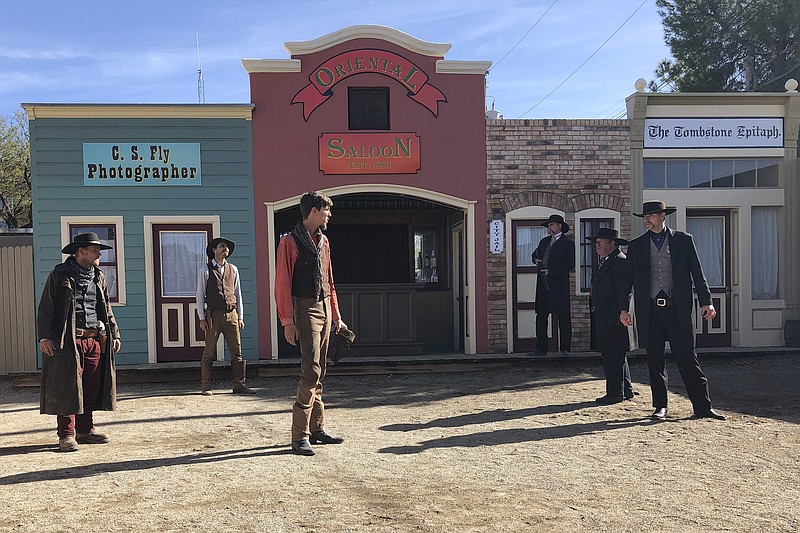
column 618, row 374
column 564, row 331
column 667, row 325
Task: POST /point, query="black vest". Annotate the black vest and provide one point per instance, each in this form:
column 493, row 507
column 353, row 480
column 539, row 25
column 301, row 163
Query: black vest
column 303, row 275
column 85, row 306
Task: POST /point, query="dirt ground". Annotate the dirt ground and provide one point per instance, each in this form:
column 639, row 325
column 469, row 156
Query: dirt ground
column 518, row 448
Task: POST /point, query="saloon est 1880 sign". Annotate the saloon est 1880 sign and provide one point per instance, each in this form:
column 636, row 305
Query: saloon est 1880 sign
column 369, row 153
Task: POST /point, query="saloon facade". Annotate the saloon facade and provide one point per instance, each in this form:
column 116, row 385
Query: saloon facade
column 436, row 208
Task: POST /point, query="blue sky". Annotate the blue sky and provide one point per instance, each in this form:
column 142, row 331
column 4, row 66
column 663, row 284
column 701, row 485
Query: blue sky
column 144, row 51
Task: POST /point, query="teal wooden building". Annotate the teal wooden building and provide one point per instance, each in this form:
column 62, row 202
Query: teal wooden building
column 156, row 182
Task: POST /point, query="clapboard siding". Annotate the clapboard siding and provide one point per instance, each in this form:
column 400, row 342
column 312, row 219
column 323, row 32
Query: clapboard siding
column 226, row 190
column 18, row 324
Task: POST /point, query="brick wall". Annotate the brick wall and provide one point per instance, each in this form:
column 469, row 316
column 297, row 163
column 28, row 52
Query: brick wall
column 567, row 165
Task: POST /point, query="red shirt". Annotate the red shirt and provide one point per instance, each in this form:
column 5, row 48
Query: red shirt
column 284, row 270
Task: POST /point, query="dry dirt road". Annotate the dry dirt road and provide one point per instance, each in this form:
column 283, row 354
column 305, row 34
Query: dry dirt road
column 505, row 449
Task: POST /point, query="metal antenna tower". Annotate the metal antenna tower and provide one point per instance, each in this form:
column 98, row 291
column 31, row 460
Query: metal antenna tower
column 201, row 89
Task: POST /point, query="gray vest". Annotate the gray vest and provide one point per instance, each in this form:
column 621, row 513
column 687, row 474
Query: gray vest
column 660, row 269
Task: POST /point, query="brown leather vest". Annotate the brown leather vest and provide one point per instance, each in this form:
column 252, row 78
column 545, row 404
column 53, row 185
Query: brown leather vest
column 220, row 290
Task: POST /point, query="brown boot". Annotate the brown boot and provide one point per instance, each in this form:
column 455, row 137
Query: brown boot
column 239, row 371
column 206, row 368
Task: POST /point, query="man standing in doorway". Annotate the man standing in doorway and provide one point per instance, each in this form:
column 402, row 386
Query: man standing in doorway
column 555, row 258
column 664, row 266
column 308, row 309
column 609, row 336
column 220, row 310
column 75, row 323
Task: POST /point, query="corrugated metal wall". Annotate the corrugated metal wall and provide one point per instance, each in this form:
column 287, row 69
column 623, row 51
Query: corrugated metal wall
column 17, row 301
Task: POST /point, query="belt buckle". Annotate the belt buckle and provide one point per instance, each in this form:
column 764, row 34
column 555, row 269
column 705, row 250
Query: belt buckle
column 661, row 302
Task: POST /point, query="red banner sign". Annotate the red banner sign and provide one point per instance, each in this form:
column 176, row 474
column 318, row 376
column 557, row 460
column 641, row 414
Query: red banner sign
column 369, row 153
column 355, row 62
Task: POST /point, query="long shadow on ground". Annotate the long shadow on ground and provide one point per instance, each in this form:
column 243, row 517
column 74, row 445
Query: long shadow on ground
column 77, row 472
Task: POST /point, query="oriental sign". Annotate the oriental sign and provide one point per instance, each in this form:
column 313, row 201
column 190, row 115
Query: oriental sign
column 713, row 132
column 354, row 62
column 145, row 163
column 369, row 153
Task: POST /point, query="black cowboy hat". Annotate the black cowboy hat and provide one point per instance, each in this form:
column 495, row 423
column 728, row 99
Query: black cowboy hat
column 648, row 208
column 560, row 220
column 608, row 233
column 82, row 240
column 214, row 242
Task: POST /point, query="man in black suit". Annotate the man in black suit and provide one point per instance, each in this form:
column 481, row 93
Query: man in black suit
column 664, row 264
column 555, row 258
column 609, row 336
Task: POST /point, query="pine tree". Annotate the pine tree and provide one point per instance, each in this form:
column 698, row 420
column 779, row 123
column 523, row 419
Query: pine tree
column 729, row 45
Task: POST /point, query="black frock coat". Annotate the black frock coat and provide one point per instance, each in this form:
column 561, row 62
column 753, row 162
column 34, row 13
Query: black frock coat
column 561, row 262
column 686, row 270
column 608, row 333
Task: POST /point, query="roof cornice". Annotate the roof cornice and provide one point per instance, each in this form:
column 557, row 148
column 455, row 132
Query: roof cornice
column 35, row 111
column 368, row 31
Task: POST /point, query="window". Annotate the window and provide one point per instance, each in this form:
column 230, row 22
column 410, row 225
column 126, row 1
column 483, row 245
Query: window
column 368, row 108
column 714, row 173
column 589, row 260
column 112, row 263
column 764, row 269
column 426, row 264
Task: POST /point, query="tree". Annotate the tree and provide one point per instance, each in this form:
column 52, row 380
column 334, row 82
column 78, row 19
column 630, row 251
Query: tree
column 729, row 45
column 15, row 171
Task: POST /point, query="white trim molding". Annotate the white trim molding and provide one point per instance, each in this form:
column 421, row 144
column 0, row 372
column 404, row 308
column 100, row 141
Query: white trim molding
column 35, row 111
column 149, row 273
column 462, row 67
column 367, row 31
column 271, row 65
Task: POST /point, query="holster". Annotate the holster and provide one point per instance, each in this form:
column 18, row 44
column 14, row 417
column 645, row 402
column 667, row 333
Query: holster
column 103, row 340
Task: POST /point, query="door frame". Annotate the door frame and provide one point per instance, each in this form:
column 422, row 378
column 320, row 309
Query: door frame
column 149, row 272
column 524, row 213
column 467, row 206
column 702, row 336
column 457, row 275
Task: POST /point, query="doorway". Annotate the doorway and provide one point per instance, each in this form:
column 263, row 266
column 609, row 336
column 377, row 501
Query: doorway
column 525, row 235
column 711, row 229
column 178, row 252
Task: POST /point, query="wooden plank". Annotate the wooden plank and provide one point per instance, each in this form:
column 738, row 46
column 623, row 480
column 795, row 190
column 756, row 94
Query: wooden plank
column 5, row 268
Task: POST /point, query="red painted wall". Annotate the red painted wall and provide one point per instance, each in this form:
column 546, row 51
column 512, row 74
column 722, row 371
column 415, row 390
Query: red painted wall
column 286, row 161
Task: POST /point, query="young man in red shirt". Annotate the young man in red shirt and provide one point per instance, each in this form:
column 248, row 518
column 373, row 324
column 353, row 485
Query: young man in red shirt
column 308, row 310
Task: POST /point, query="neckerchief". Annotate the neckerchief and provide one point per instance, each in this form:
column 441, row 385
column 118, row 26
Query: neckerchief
column 310, row 252
column 82, row 276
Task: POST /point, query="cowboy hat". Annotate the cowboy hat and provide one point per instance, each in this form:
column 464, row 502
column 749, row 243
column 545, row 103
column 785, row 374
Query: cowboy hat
column 214, row 242
column 560, row 220
column 608, row 233
column 648, row 208
column 82, row 240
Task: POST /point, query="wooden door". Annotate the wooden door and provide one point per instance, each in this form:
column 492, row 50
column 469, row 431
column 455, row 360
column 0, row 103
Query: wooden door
column 179, row 253
column 711, row 229
column 525, row 236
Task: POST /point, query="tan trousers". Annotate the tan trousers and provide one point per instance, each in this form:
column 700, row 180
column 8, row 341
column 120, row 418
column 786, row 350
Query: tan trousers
column 312, row 319
column 225, row 323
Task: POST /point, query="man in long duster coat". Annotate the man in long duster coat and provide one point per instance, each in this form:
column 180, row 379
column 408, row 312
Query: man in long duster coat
column 64, row 378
